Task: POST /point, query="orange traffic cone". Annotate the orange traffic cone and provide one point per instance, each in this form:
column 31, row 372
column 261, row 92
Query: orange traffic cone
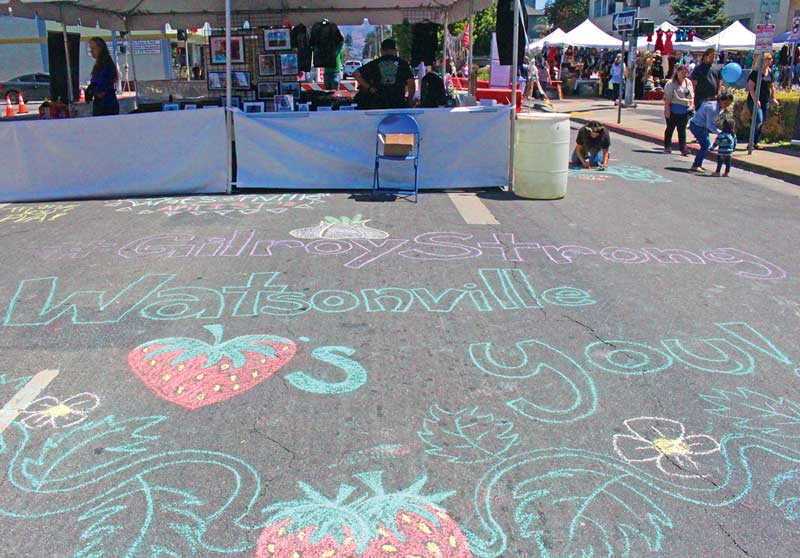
column 82, row 98
column 9, row 107
column 22, row 108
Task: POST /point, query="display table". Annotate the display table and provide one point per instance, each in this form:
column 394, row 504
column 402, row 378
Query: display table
column 461, row 148
column 166, row 153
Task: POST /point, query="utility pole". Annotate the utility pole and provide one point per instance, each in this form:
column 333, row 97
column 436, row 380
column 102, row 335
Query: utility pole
column 630, row 83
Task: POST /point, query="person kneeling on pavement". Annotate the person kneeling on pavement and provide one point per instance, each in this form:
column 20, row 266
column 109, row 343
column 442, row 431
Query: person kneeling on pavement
column 591, row 146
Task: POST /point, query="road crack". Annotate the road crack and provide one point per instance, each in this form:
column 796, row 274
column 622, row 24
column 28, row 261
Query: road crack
column 590, row 329
column 736, row 544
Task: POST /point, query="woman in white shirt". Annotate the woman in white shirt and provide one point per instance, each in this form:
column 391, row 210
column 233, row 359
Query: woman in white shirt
column 678, row 105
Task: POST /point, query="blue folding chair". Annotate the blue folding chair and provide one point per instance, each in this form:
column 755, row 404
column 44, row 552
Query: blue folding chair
column 397, row 124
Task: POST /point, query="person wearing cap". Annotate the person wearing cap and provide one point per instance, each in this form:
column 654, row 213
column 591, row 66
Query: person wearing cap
column 387, row 82
column 591, row 146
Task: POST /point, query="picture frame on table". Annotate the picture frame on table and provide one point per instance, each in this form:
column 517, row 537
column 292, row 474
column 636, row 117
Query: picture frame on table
column 266, row 65
column 289, row 65
column 236, row 101
column 253, row 107
column 217, row 50
column 268, row 89
column 291, row 88
column 240, row 80
column 170, row 107
column 277, row 39
column 283, row 103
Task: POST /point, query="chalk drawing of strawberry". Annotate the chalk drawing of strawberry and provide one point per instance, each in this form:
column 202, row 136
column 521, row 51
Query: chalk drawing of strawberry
column 191, row 373
column 340, row 228
column 377, row 524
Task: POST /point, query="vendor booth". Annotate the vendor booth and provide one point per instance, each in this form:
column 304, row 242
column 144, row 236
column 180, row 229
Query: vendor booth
column 195, row 151
column 734, row 37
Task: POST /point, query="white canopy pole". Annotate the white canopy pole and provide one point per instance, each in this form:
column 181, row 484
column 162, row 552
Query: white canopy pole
column 70, row 92
column 228, row 91
column 129, row 36
column 514, row 69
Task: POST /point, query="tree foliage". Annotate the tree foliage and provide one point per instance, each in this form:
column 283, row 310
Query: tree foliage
column 567, row 14
column 700, row 12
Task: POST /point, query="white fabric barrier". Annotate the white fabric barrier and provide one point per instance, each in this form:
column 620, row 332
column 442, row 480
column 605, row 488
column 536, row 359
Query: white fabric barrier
column 152, row 154
column 461, row 148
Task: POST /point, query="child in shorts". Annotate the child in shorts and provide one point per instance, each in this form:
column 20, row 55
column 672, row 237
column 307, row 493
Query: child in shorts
column 725, row 144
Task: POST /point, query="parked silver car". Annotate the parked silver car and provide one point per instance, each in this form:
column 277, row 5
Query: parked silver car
column 34, row 87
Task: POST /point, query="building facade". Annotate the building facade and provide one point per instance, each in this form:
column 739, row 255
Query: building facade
column 746, row 11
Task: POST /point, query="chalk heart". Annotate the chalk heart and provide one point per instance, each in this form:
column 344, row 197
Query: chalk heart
column 193, row 374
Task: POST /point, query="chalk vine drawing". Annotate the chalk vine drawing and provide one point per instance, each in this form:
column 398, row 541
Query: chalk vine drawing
column 616, row 507
column 339, row 228
column 439, row 247
column 664, row 443
column 42, row 213
column 376, row 524
column 630, row 173
column 245, row 204
column 193, row 374
column 565, row 391
column 37, row 301
column 55, row 413
column 135, row 500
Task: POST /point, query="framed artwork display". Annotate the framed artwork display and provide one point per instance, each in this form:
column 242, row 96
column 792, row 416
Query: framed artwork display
column 290, row 88
column 268, row 89
column 240, row 80
column 253, row 107
column 277, row 39
column 289, row 66
column 217, row 48
column 216, row 81
column 235, row 101
column 284, row 103
column 266, row 65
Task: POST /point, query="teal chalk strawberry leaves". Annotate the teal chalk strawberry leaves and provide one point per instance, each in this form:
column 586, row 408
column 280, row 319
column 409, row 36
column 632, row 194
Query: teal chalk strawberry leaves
column 193, row 374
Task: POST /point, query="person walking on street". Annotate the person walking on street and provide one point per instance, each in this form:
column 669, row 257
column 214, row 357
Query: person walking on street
column 678, row 104
column 617, row 75
column 766, row 97
column 704, row 123
column 706, row 79
column 102, row 90
column 725, row 145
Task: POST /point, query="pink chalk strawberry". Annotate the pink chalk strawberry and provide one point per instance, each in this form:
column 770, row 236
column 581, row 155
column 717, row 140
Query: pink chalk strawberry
column 378, row 524
column 193, row 374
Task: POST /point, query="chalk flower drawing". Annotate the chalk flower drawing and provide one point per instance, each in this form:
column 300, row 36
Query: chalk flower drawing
column 665, row 443
column 375, row 524
column 49, row 411
column 338, row 228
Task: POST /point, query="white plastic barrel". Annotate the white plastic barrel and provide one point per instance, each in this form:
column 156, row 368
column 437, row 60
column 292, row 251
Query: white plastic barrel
column 541, row 156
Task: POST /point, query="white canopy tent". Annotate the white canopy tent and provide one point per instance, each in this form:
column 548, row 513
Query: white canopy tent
column 734, row 37
column 154, row 14
column 696, row 44
column 588, row 35
column 553, row 39
column 180, row 14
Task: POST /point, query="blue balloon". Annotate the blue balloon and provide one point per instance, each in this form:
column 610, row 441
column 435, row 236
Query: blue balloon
column 731, row 73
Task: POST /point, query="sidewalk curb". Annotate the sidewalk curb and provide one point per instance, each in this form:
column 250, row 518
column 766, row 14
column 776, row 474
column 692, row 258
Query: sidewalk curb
column 738, row 163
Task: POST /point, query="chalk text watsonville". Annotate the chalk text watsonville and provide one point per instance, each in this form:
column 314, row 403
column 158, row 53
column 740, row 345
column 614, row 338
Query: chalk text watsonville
column 433, row 246
column 40, row 301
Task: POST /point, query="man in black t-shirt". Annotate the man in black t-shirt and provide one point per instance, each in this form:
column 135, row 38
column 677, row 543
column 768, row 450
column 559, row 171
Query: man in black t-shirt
column 706, row 79
column 592, row 147
column 387, row 82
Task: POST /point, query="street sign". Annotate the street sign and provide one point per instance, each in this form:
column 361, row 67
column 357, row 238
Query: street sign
column 624, row 21
column 770, row 6
column 795, row 28
column 764, row 36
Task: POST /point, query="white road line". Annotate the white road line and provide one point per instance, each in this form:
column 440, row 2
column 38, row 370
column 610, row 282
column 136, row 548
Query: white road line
column 472, row 209
column 25, row 397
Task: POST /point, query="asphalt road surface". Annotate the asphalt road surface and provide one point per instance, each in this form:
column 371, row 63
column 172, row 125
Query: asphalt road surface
column 316, row 375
